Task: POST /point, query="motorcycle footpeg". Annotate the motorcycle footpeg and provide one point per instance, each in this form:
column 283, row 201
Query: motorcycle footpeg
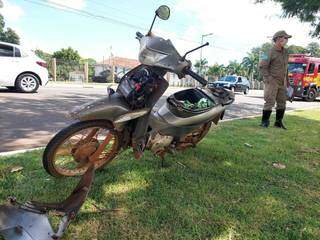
column 29, row 221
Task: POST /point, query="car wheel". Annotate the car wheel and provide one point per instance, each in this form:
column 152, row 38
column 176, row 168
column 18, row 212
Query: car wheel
column 311, row 95
column 27, row 83
column 246, row 91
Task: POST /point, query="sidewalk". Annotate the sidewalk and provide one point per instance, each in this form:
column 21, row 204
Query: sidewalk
column 81, row 85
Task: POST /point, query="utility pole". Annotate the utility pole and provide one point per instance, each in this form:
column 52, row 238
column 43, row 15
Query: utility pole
column 1, row 4
column 86, row 71
column 202, row 36
column 54, row 68
column 111, row 62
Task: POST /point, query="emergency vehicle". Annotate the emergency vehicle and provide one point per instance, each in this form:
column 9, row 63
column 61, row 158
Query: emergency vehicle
column 304, row 76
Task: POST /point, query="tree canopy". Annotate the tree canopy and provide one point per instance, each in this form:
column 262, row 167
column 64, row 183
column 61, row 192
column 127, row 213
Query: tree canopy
column 304, row 10
column 8, row 35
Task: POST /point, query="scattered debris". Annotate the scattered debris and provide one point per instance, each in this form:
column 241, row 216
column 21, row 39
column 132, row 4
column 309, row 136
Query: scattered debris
column 29, row 221
column 279, row 165
column 104, row 210
column 16, row 169
column 248, row 145
column 181, row 164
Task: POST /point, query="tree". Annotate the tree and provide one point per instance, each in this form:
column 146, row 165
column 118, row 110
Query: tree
column 91, row 65
column 201, row 67
column 11, row 36
column 43, row 55
column 7, row 35
column 314, row 49
column 250, row 63
column 216, row 71
column 67, row 55
column 47, row 57
column 68, row 60
column 2, row 24
column 235, row 68
column 306, row 11
column 294, row 49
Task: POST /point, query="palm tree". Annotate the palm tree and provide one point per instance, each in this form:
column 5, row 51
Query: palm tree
column 201, row 66
column 216, row 71
column 234, row 68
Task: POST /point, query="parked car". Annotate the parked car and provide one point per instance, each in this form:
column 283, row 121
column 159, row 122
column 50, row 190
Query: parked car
column 233, row 83
column 104, row 75
column 21, row 69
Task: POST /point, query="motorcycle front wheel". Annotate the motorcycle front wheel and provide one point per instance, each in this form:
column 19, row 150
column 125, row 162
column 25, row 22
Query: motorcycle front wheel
column 72, row 150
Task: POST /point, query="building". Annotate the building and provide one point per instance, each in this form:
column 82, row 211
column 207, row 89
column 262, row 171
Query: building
column 123, row 65
column 102, row 70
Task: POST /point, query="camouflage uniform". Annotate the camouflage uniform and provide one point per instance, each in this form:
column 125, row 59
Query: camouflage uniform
column 274, row 69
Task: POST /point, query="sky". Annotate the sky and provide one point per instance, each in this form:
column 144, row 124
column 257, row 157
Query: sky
column 236, row 26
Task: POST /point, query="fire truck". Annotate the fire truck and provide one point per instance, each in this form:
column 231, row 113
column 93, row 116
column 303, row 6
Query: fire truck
column 304, row 76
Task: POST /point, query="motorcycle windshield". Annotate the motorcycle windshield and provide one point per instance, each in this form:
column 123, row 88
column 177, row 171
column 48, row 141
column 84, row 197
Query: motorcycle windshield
column 156, row 51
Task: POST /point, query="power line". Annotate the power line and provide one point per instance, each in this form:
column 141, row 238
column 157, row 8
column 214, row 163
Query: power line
column 129, row 13
column 62, row 7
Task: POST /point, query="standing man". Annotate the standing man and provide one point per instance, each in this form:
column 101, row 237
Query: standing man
column 274, row 69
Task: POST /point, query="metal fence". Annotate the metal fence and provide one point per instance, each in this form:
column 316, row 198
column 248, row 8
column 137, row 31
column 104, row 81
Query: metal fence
column 256, row 85
column 85, row 72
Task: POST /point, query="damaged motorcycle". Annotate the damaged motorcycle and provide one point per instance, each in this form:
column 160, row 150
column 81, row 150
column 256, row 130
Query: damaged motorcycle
column 125, row 118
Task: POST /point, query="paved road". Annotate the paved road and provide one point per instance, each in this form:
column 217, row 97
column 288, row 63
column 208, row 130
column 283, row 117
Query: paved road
column 30, row 120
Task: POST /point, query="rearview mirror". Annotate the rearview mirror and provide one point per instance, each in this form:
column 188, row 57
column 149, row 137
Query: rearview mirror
column 163, row 12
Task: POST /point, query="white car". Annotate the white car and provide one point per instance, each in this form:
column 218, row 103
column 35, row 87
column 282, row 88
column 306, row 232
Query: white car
column 21, row 69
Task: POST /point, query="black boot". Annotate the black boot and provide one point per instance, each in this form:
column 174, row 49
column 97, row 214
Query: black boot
column 279, row 116
column 265, row 118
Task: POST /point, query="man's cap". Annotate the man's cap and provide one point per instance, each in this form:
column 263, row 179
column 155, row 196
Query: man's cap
column 281, row 34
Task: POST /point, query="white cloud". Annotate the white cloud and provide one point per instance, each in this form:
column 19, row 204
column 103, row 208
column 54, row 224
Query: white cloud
column 10, row 11
column 239, row 25
column 76, row 4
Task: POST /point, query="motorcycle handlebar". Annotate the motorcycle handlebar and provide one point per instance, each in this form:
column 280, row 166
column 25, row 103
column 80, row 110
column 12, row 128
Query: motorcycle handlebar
column 196, row 77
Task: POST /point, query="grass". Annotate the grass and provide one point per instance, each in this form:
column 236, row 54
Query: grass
column 226, row 188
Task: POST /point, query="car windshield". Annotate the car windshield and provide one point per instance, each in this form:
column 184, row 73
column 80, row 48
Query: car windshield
column 228, row 79
column 297, row 67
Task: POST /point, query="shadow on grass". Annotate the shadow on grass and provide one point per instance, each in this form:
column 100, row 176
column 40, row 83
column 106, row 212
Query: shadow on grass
column 220, row 190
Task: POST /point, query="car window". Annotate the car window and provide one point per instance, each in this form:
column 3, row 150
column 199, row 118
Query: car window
column 239, row 79
column 228, row 79
column 311, row 68
column 294, row 67
column 17, row 52
column 6, row 51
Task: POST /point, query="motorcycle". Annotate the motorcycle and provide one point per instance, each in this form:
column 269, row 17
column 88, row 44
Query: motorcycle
column 124, row 118
column 127, row 117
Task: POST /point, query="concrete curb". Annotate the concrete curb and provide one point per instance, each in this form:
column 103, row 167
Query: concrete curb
column 258, row 115
column 5, row 154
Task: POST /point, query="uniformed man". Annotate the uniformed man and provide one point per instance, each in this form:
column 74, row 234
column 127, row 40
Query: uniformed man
column 274, row 69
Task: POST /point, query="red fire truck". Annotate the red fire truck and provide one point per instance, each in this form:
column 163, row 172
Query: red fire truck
column 304, row 76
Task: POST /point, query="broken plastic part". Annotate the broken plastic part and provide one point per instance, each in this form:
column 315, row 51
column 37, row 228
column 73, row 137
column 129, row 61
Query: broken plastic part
column 29, row 221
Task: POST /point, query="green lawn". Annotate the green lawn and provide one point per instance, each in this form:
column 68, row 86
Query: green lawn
column 223, row 189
